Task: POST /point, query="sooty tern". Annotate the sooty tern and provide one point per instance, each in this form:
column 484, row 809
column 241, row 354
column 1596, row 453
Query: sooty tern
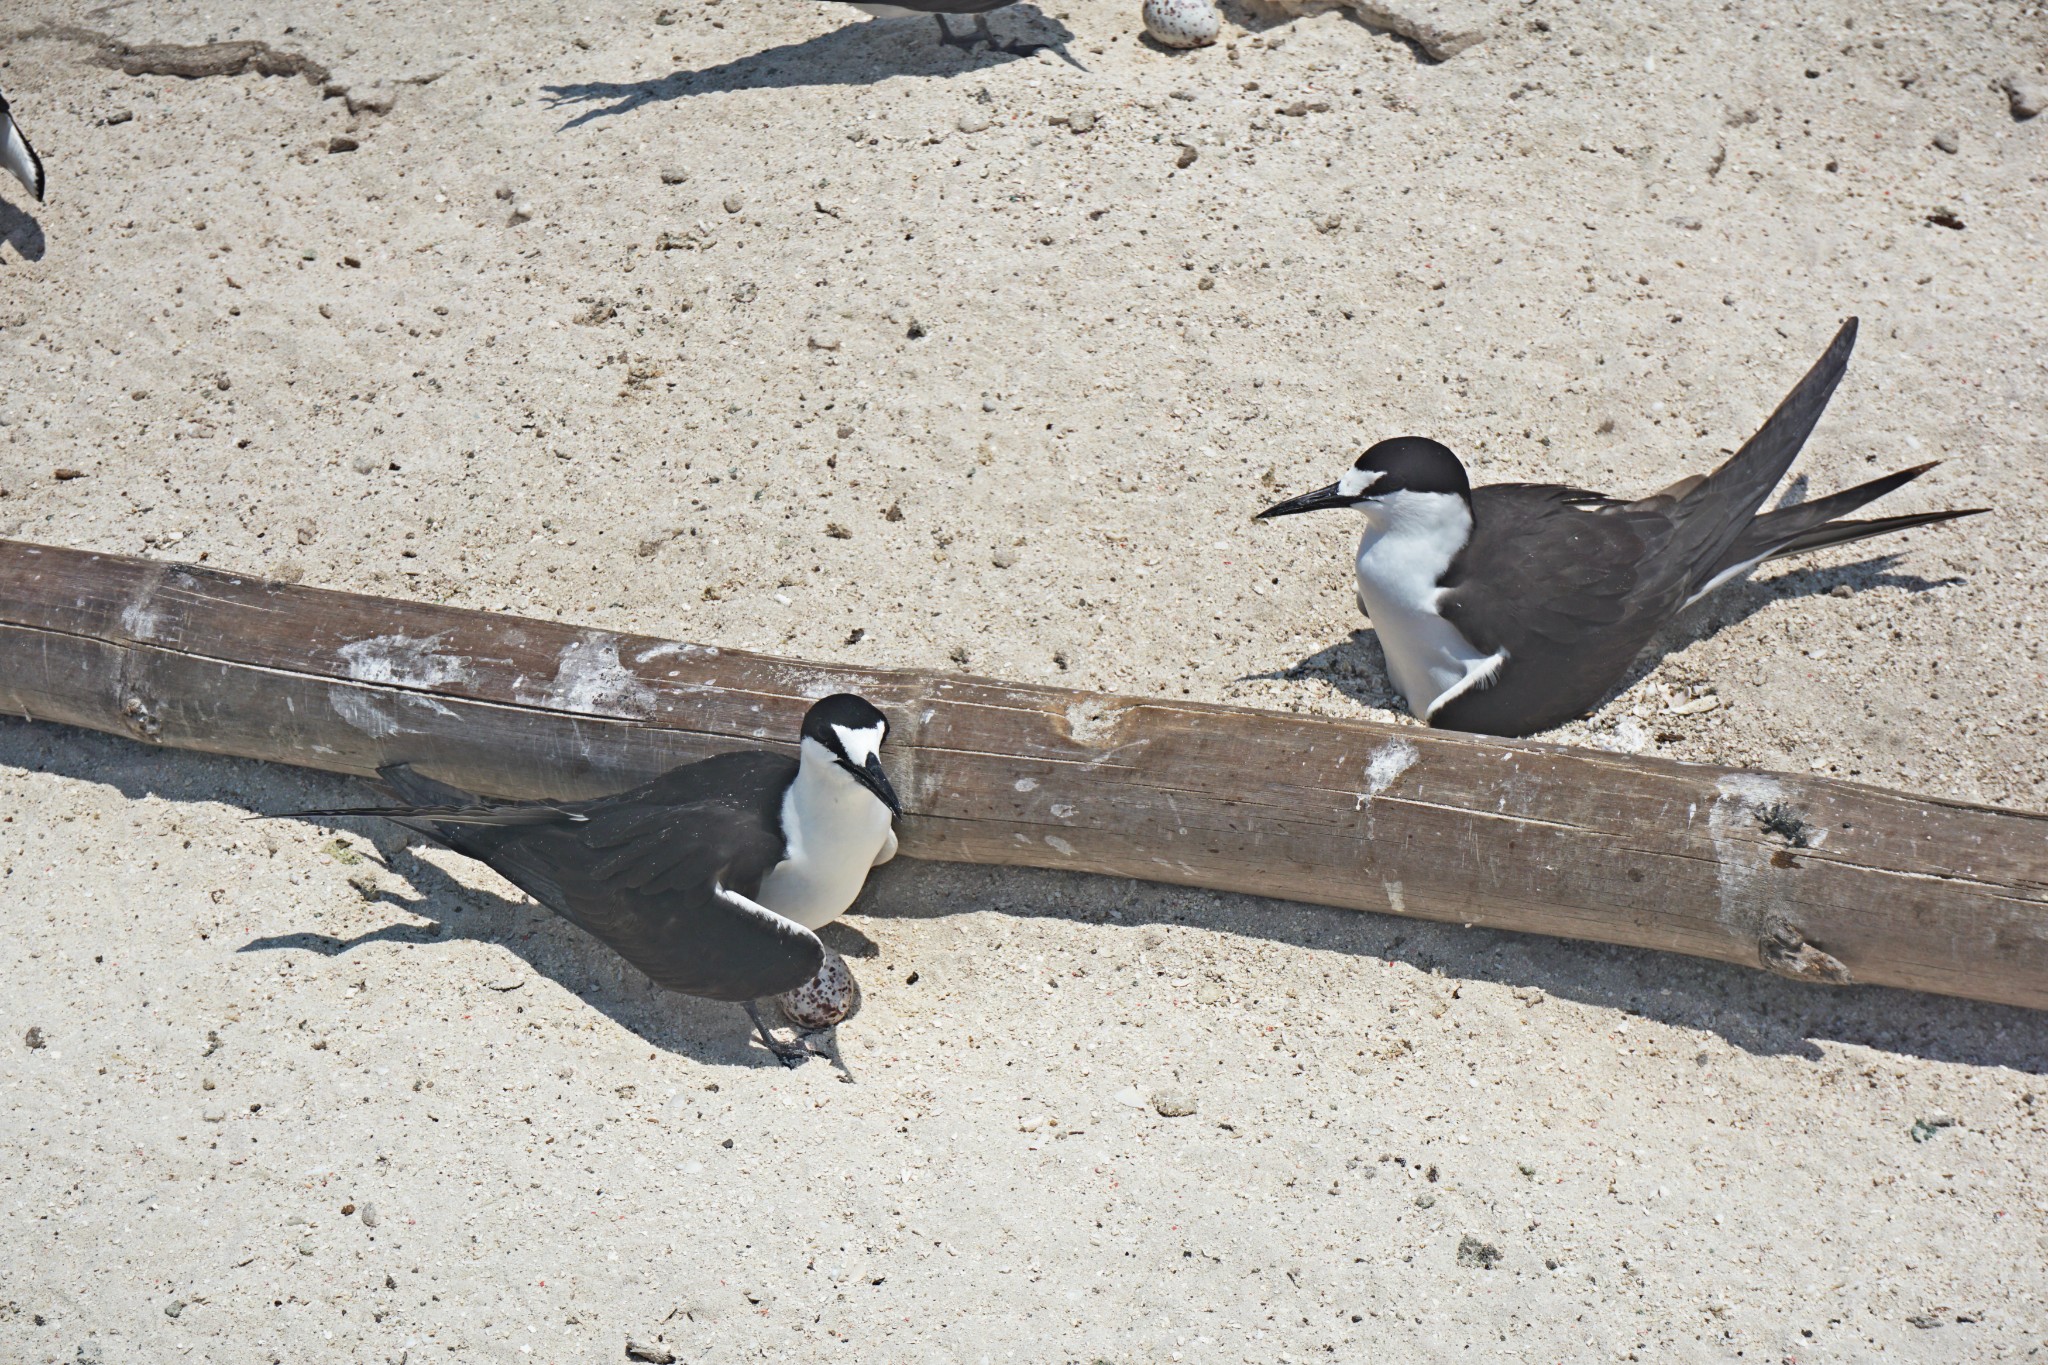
column 712, row 878
column 16, row 154
column 1517, row 607
column 938, row 10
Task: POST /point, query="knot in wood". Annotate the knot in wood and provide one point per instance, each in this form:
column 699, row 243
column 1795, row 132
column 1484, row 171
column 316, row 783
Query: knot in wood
column 1784, row 950
column 141, row 718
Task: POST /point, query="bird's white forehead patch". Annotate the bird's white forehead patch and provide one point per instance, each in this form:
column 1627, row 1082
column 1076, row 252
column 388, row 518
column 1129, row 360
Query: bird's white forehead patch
column 860, row 745
column 1356, row 481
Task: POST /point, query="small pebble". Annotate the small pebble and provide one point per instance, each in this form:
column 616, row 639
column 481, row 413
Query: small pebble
column 674, row 175
column 1945, row 141
column 1173, row 1104
column 305, row 1248
column 1478, row 1254
column 1186, row 158
column 339, row 143
column 2027, row 95
column 733, row 203
column 34, row 1039
column 1081, row 120
column 1004, row 557
column 1928, row 1125
column 973, row 123
column 120, row 116
column 653, row 1355
column 368, row 1213
column 1182, row 23
column 174, row 1307
column 522, row 213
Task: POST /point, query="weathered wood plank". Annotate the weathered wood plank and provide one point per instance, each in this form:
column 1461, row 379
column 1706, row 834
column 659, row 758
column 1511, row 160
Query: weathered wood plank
column 1823, row 880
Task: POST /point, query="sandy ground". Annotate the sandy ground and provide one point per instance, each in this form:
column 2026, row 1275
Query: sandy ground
column 773, row 328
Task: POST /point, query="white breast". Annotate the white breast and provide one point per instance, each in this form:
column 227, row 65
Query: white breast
column 1409, row 542
column 836, row 831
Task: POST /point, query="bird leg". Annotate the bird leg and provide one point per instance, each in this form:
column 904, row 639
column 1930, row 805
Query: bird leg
column 789, row 1054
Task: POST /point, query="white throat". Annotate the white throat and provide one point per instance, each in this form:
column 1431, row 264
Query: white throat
column 1410, row 540
column 836, row 830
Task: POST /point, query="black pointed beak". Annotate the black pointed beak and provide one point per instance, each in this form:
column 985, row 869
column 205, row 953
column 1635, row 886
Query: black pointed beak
column 1308, row 502
column 875, row 780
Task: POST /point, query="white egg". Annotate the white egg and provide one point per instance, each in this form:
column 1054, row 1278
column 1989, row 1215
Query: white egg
column 826, row 999
column 1182, row 23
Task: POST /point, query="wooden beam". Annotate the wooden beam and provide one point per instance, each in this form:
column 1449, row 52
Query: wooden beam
column 1820, row 880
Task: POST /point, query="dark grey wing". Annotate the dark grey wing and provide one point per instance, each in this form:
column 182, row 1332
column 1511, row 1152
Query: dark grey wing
column 1571, row 585
column 1818, row 524
column 16, row 155
column 1713, row 514
column 664, row 874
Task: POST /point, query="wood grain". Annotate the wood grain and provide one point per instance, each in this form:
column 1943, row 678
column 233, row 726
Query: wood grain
column 1821, row 880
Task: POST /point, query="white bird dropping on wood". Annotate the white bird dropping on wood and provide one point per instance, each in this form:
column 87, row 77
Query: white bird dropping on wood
column 1182, row 23
column 826, row 999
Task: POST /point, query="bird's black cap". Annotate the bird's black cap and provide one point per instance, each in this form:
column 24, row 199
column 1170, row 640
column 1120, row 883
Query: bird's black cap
column 1413, row 464
column 1406, row 464
column 828, row 720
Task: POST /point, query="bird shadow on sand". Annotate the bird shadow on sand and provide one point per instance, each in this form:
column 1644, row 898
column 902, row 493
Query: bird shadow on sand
column 22, row 231
column 1357, row 667
column 1751, row 1010
column 441, row 909
column 856, row 54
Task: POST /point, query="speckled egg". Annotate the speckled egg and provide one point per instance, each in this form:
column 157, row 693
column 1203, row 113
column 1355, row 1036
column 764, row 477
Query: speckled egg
column 1182, row 23
column 826, row 999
